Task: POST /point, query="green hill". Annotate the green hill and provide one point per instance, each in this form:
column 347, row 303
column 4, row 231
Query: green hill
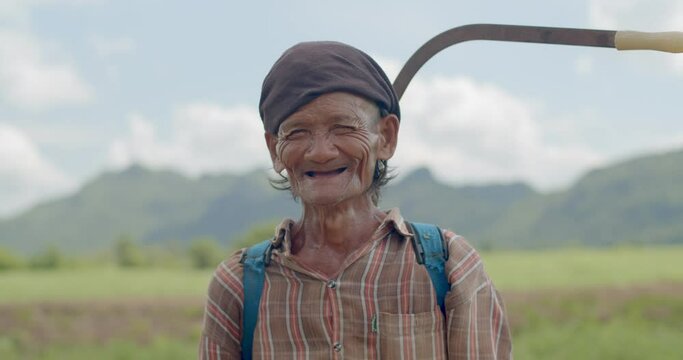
column 639, row 201
column 151, row 206
column 635, row 201
column 467, row 210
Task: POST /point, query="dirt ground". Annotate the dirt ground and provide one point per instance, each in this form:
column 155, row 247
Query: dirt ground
column 654, row 302
column 100, row 321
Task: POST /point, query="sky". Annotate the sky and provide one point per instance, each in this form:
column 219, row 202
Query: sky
column 88, row 86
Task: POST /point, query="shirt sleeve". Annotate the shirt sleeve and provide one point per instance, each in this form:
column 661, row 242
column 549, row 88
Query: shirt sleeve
column 222, row 329
column 477, row 327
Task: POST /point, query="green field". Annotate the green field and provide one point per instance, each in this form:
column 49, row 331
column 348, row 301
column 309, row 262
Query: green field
column 510, row 271
column 624, row 303
column 571, row 268
column 92, row 283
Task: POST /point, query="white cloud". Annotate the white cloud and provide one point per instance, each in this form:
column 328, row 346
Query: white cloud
column 29, row 80
column 205, row 138
column 640, row 15
column 466, row 131
column 25, row 175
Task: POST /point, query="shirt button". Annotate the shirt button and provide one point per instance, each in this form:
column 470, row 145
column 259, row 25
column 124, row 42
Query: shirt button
column 337, row 347
column 331, row 284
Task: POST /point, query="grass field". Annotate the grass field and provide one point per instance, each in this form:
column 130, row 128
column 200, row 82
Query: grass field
column 92, row 283
column 510, row 271
column 535, row 270
column 572, row 304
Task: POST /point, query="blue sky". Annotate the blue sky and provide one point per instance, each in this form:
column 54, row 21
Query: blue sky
column 93, row 85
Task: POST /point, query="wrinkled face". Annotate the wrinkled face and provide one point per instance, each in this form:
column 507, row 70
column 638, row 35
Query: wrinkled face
column 329, row 148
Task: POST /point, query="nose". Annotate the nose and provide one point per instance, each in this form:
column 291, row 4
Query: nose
column 321, row 149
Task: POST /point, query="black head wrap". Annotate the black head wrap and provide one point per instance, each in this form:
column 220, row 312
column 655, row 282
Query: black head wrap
column 310, row 69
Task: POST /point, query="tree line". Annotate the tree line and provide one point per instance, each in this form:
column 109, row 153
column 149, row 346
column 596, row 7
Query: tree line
column 127, row 252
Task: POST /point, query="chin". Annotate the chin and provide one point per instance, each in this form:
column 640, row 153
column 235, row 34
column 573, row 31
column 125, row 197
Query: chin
column 322, row 200
column 331, row 199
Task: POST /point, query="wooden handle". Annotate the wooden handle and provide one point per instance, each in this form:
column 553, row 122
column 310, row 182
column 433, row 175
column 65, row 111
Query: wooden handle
column 671, row 41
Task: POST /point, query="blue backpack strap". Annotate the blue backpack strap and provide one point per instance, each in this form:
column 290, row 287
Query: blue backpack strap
column 430, row 251
column 255, row 262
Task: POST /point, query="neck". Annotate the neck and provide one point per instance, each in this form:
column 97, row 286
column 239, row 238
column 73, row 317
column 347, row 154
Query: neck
column 341, row 227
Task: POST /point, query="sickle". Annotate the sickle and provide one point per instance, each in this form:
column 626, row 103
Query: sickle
column 621, row 40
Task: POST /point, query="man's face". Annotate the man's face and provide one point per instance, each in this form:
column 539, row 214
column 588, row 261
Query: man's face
column 329, row 148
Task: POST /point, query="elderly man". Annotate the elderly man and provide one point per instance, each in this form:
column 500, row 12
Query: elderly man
column 344, row 280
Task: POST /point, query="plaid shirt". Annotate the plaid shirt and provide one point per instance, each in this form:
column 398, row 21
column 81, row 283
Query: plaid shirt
column 380, row 305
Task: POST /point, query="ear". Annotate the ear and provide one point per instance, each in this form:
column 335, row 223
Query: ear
column 271, row 142
column 387, row 128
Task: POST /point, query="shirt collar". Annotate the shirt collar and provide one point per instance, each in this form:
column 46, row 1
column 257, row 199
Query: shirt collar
column 282, row 240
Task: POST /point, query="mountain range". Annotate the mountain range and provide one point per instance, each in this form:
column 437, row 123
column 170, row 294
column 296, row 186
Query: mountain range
column 637, row 201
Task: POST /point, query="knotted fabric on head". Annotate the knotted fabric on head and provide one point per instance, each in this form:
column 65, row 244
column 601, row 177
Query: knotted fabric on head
column 310, row 69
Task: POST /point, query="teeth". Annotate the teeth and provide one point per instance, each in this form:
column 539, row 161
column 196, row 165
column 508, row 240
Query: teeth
column 315, row 173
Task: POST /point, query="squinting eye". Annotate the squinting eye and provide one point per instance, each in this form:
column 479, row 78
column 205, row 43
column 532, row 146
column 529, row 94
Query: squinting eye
column 343, row 129
column 295, row 134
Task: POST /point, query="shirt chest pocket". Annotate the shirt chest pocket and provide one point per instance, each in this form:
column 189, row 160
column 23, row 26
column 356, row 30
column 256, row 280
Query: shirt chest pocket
column 415, row 336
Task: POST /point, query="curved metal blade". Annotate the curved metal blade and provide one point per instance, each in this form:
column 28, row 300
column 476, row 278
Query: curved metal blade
column 498, row 32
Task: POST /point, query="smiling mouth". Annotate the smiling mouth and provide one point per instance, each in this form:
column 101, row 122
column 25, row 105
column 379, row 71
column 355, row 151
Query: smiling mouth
column 325, row 173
